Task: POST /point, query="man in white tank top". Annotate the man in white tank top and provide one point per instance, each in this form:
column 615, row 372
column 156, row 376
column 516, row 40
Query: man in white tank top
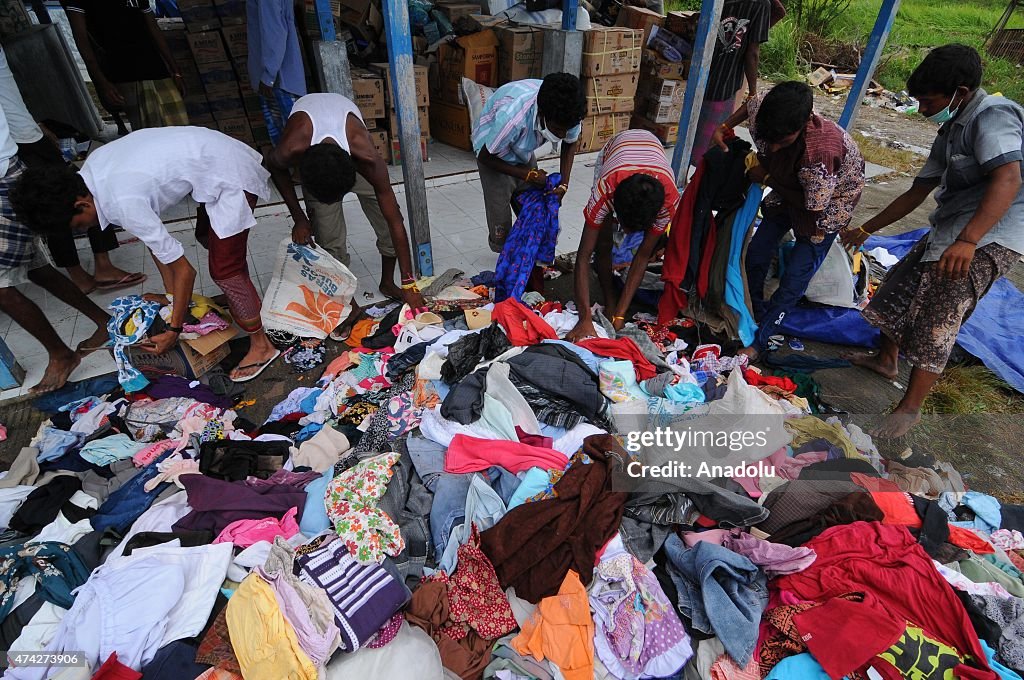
column 326, row 139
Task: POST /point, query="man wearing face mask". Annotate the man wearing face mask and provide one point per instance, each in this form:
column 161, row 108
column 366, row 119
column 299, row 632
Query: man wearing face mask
column 816, row 174
column 518, row 119
column 977, row 228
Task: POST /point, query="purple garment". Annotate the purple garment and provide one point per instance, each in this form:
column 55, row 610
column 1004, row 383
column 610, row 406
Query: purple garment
column 317, row 646
column 166, row 386
column 216, row 503
column 282, row 477
column 775, row 559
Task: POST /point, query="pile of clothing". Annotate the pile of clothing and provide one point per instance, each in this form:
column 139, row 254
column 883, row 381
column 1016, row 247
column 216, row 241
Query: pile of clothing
column 452, row 498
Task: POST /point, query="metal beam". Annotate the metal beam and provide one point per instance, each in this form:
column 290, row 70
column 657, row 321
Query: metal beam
column 696, row 86
column 325, row 19
column 869, row 62
column 403, row 84
column 569, row 11
column 331, row 59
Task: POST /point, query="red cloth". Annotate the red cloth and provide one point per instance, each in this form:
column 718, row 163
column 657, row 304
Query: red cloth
column 521, row 325
column 754, row 378
column 677, row 253
column 470, row 454
column 622, row 348
column 898, row 509
column 534, row 439
column 112, row 669
column 887, row 562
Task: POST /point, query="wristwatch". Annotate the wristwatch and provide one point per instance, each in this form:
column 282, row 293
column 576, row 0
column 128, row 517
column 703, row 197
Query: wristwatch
column 177, row 329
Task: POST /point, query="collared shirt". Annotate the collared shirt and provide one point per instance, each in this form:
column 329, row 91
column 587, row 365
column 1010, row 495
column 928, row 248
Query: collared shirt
column 135, row 178
column 987, row 133
column 275, row 58
column 824, row 164
column 626, row 154
column 508, row 124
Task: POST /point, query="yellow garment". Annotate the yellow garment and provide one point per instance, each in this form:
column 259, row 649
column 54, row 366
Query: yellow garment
column 562, row 631
column 263, row 640
column 751, row 161
column 808, row 427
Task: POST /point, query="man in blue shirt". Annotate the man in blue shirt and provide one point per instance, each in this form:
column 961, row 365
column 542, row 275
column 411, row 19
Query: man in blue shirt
column 977, row 227
column 275, row 60
column 518, row 119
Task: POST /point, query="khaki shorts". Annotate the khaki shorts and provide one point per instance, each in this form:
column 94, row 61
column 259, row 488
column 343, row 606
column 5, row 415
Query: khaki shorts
column 18, row 274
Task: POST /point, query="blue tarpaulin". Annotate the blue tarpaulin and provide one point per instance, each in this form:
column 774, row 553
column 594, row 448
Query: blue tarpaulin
column 992, row 333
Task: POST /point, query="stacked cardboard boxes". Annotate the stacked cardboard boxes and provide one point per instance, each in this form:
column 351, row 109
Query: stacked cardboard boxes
column 520, row 53
column 368, row 88
column 473, row 56
column 659, row 97
column 196, row 106
column 220, row 84
column 422, row 90
column 611, row 73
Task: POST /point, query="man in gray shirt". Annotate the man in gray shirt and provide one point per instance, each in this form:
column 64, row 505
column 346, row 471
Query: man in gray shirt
column 977, row 227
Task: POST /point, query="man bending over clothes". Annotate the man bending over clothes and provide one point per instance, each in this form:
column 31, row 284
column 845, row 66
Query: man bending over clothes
column 132, row 180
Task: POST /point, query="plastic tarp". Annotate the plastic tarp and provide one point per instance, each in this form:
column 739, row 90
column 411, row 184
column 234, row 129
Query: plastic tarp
column 992, row 333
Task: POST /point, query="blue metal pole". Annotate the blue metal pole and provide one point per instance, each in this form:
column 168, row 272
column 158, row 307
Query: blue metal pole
column 869, row 62
column 696, row 85
column 403, row 84
column 325, row 19
column 570, row 9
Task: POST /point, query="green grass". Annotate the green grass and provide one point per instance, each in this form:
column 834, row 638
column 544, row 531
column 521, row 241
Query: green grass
column 920, row 25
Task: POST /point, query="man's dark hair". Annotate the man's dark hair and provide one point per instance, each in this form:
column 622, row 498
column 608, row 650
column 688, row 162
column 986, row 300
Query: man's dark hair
column 44, row 197
column 562, row 100
column 945, row 69
column 328, row 172
column 784, row 110
column 638, row 200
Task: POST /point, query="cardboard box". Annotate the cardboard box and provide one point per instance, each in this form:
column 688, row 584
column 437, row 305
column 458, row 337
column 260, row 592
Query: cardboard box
column 225, row 101
column 422, row 87
column 450, row 123
column 368, row 90
column 655, row 88
column 610, row 94
column 381, row 143
column 455, row 11
column 199, row 15
column 12, row 374
column 352, row 12
column 683, row 24
column 473, row 56
column 653, row 64
column 597, row 130
column 396, row 151
column 608, row 51
column 237, row 40
column 242, row 71
column 668, row 133
column 639, row 18
column 662, row 112
column 190, row 358
column 238, row 128
column 197, row 108
column 216, row 74
column 424, row 118
column 207, row 48
column 230, row 12
column 520, row 53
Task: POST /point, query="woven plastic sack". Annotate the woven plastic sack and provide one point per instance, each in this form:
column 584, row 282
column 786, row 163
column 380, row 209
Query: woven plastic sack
column 310, row 293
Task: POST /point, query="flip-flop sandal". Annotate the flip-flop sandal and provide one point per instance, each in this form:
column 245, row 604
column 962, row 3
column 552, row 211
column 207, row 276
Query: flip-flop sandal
column 109, row 344
column 124, row 282
column 262, row 368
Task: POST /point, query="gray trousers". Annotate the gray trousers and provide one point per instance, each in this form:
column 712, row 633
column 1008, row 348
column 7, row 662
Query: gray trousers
column 498, row 189
column 330, row 230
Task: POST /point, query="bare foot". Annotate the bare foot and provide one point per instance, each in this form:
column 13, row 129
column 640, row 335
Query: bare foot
column 897, row 424
column 57, row 372
column 873, row 362
column 344, row 329
column 97, row 340
column 389, row 289
column 253, row 362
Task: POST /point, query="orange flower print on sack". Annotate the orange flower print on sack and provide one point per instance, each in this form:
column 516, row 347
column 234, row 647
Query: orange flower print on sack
column 320, row 310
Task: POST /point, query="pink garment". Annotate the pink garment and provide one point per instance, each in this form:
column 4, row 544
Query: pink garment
column 245, row 532
column 470, row 454
column 774, row 559
column 341, row 363
column 147, row 455
column 716, row 536
column 785, row 467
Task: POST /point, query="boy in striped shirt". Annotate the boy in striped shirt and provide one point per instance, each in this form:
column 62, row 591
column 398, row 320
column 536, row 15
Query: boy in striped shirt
column 635, row 190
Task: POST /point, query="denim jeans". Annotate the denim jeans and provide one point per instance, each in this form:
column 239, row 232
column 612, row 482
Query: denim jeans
column 801, row 264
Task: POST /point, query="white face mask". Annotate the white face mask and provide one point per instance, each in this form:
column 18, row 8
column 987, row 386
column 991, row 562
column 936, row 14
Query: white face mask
column 547, row 134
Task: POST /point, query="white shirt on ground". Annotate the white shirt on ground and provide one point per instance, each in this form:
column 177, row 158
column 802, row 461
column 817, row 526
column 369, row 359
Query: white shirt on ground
column 135, row 178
